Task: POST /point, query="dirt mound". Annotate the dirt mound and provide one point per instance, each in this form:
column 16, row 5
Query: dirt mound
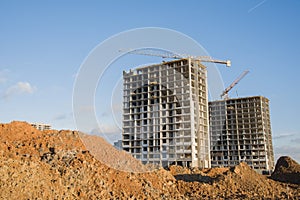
column 20, row 138
column 106, row 153
column 56, row 165
column 16, row 131
column 242, row 181
column 215, row 172
column 175, row 170
column 286, row 170
column 239, row 182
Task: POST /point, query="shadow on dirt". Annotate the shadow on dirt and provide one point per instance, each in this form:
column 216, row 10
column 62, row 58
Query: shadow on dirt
column 194, row 178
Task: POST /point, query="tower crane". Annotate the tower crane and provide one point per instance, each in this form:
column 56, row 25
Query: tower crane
column 169, row 54
column 236, row 81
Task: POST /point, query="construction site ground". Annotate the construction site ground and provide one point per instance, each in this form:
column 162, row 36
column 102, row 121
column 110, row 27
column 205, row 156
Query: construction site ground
column 71, row 165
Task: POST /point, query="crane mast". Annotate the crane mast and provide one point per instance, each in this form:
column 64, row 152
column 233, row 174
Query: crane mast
column 236, row 81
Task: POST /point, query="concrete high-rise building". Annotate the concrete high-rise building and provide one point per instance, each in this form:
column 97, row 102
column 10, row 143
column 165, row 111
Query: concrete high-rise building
column 165, row 114
column 240, row 130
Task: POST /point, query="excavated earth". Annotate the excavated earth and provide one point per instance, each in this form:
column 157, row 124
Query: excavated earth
column 58, row 165
column 286, row 170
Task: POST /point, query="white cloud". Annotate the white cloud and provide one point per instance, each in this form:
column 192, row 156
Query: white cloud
column 287, row 150
column 3, row 76
column 284, row 135
column 60, row 117
column 19, row 88
column 63, row 116
column 2, row 79
column 296, row 140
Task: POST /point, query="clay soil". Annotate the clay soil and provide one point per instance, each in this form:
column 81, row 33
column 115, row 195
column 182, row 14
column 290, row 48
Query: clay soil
column 71, row 165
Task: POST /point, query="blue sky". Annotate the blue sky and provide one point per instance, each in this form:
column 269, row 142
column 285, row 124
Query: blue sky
column 44, row 43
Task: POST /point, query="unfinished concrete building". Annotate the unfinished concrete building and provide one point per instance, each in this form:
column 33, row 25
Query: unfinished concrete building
column 240, row 130
column 165, row 114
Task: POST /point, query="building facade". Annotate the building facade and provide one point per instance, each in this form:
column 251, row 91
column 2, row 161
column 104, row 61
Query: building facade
column 240, row 130
column 165, row 114
column 40, row 126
